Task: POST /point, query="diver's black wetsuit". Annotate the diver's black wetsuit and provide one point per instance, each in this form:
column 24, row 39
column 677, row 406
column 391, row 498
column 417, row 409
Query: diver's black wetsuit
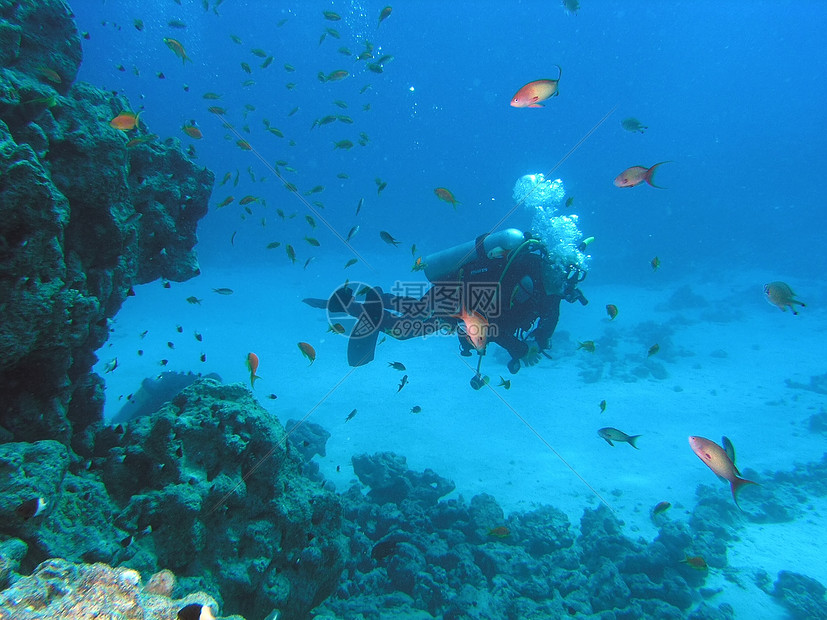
column 509, row 294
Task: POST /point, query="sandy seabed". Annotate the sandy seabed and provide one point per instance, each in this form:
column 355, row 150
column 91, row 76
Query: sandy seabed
column 722, row 369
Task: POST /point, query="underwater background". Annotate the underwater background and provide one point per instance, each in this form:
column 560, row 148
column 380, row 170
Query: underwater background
column 143, row 264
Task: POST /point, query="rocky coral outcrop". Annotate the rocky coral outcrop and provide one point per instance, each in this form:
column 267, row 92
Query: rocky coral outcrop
column 207, row 487
column 416, row 555
column 82, row 218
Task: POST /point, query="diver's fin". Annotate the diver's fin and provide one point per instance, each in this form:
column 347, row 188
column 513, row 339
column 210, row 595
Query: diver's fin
column 340, row 300
column 315, row 302
column 362, row 342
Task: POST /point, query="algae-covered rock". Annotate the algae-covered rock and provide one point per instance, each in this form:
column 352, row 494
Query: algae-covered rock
column 803, row 596
column 212, row 490
column 82, row 218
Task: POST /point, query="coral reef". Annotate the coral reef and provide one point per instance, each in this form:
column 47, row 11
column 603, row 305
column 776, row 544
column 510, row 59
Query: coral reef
column 62, row 589
column 82, row 219
column 207, row 487
column 802, row 595
column 414, row 556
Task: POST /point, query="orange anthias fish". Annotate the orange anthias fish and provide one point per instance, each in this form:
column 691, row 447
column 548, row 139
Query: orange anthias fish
column 530, row 95
column 636, row 175
column 252, row 366
column 308, row 351
column 717, row 460
column 125, row 121
column 447, row 196
column 780, row 295
column 178, row 49
column 611, row 310
column 476, row 328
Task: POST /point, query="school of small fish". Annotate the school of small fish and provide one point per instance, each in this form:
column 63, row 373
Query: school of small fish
column 341, row 121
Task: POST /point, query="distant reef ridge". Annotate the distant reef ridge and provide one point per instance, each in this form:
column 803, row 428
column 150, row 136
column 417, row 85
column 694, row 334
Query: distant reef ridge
column 83, row 218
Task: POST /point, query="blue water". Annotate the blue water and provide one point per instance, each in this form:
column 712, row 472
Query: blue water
column 733, row 96
column 731, row 92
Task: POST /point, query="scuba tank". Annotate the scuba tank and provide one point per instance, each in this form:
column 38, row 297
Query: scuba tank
column 444, row 265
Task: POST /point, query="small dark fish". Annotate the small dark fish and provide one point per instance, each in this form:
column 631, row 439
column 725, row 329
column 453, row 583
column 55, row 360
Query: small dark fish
column 192, row 299
column 166, row 284
column 272, row 397
column 611, row 310
column 653, row 349
column 223, row 291
column 203, row 357
column 397, row 365
column 569, row 201
column 291, row 253
column 655, row 262
column 179, row 329
column 199, row 337
column 273, row 245
column 696, row 561
column 308, row 351
column 359, row 205
column 336, row 328
column 384, row 14
column 351, row 262
column 505, row 383
column 633, row 125
column 588, row 345
column 31, row 508
column 610, row 434
column 171, row 345
column 602, row 406
column 402, row 383
column 163, row 362
column 416, row 409
column 499, row 532
column 352, row 233
column 661, row 508
column 388, row 238
column 350, row 415
column 308, row 261
column 195, row 611
column 312, row 241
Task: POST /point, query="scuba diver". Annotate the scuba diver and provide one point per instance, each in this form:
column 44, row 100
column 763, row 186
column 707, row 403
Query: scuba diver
column 501, row 288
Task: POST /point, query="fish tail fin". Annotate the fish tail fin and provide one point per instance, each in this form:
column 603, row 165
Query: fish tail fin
column 634, row 439
column 736, row 486
column 560, row 74
column 253, row 380
column 650, row 174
